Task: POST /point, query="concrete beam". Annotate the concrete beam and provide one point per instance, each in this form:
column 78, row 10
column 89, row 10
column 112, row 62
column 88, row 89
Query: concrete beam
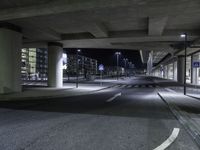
column 57, row 7
column 156, row 25
column 196, row 42
column 98, row 30
column 189, row 51
column 40, row 34
column 33, row 31
column 106, row 44
column 168, row 35
column 35, row 45
column 147, row 45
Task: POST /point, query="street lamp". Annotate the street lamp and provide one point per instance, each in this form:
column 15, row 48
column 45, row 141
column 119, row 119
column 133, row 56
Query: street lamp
column 125, row 59
column 117, row 53
column 77, row 67
column 184, row 35
column 129, row 65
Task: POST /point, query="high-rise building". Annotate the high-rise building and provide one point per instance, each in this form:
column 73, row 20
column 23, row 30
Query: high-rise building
column 34, row 64
column 86, row 65
column 41, row 63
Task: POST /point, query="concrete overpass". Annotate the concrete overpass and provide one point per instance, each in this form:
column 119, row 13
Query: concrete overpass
column 145, row 25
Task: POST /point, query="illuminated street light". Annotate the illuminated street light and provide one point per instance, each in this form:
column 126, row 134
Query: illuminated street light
column 117, row 53
column 184, row 35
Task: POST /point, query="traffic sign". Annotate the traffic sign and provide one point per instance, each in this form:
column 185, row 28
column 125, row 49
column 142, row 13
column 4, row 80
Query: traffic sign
column 196, row 64
column 101, row 67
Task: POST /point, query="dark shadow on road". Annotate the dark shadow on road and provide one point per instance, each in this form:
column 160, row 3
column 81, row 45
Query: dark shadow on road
column 128, row 106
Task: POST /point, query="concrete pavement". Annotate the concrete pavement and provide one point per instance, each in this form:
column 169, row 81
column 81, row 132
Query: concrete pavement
column 30, row 92
column 39, row 90
column 136, row 119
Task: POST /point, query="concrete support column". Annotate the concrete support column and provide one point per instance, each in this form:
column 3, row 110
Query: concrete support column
column 10, row 58
column 150, row 63
column 180, row 69
column 195, row 75
column 194, row 72
column 55, row 65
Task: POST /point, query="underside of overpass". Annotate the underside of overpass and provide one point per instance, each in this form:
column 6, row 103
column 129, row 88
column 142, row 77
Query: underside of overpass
column 128, row 24
column 152, row 27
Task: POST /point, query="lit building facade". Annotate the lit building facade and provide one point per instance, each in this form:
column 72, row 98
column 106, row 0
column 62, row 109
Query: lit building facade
column 111, row 71
column 34, row 64
column 86, row 65
column 168, row 70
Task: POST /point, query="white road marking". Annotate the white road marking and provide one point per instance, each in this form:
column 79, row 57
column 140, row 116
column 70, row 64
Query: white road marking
column 117, row 86
column 123, row 86
column 169, row 141
column 129, row 86
column 115, row 96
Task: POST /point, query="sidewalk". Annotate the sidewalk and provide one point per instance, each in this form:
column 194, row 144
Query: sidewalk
column 191, row 90
column 39, row 90
column 185, row 109
column 37, row 93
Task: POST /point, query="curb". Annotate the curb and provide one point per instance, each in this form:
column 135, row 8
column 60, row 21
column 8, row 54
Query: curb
column 53, row 96
column 184, row 119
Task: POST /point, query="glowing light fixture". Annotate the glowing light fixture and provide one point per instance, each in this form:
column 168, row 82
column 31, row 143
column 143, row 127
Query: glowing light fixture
column 183, row 35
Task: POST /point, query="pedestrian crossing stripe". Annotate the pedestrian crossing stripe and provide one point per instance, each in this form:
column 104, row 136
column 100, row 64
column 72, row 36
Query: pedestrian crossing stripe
column 136, row 86
column 123, row 86
column 129, row 86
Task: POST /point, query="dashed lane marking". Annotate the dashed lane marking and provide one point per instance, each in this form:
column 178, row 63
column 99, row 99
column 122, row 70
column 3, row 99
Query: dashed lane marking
column 114, row 97
column 118, row 86
column 129, row 86
column 123, row 86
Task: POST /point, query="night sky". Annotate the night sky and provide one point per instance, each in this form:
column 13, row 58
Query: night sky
column 107, row 57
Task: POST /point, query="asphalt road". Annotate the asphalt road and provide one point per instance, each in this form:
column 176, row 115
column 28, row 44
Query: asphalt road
column 129, row 116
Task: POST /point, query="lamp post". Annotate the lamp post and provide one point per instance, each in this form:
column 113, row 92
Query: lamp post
column 65, row 63
column 184, row 35
column 77, row 67
column 129, row 64
column 117, row 53
column 125, row 59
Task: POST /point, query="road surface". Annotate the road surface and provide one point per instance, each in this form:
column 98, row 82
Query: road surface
column 128, row 116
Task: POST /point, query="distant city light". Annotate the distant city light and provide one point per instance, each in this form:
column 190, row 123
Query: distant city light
column 78, row 50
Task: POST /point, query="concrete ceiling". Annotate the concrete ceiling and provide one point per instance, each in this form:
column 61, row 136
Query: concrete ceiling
column 122, row 24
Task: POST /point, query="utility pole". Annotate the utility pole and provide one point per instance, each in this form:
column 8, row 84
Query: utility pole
column 77, row 67
column 117, row 53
